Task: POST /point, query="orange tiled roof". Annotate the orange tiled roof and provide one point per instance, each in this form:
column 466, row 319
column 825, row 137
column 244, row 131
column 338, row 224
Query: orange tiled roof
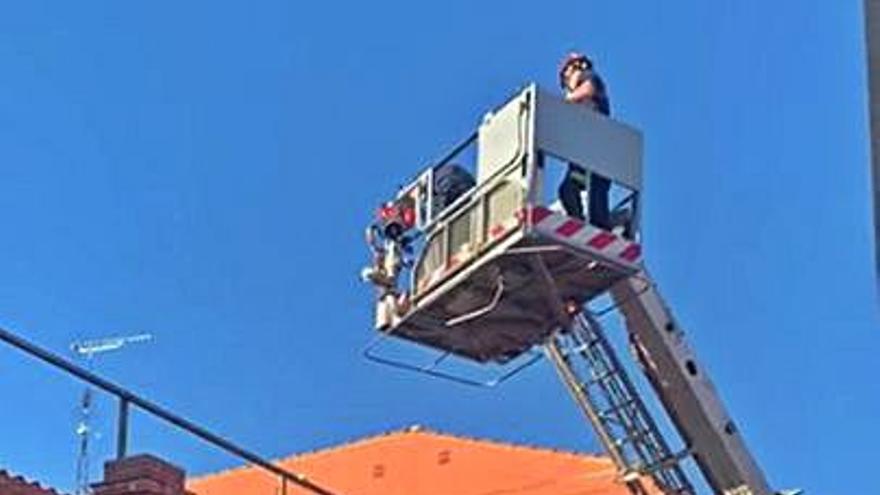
column 17, row 485
column 422, row 462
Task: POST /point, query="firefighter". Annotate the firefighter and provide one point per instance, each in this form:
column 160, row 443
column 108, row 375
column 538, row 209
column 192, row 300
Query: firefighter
column 583, row 86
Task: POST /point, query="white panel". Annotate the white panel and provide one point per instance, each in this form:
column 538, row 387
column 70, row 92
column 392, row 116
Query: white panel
column 502, row 137
column 577, row 134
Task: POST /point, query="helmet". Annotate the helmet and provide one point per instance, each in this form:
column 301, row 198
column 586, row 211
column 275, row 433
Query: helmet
column 573, row 58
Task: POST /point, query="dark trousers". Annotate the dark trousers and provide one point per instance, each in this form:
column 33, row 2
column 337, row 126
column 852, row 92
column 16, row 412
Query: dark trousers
column 597, row 197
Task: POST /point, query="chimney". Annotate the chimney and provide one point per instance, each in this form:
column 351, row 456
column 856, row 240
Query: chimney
column 141, row 475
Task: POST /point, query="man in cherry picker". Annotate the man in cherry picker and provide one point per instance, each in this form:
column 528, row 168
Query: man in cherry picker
column 583, row 86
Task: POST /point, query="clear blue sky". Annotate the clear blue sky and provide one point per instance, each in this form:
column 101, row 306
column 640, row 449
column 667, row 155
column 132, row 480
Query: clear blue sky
column 203, row 171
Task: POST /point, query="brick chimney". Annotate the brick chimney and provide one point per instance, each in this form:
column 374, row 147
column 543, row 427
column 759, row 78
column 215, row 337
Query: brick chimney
column 141, row 475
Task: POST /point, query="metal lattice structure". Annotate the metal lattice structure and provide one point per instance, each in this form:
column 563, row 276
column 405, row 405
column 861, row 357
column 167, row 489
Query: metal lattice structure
column 596, row 379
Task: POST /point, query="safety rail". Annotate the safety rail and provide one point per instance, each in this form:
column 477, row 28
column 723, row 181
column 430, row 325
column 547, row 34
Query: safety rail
column 473, row 224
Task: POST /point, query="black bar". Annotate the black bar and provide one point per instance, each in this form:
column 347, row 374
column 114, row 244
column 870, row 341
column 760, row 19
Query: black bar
column 156, row 410
column 871, row 11
column 458, row 149
column 122, row 430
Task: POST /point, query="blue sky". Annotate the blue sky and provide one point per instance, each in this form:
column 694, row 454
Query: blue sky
column 203, row 171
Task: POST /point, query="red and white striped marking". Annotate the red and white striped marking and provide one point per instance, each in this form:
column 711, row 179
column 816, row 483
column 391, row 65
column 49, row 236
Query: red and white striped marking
column 582, row 235
column 558, row 226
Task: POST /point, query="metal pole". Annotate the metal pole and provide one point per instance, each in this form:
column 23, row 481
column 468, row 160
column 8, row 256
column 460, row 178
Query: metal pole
column 122, row 430
column 156, row 410
column 872, row 49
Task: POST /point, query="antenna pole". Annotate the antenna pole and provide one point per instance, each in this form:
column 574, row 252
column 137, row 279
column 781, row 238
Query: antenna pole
column 88, row 350
column 122, row 429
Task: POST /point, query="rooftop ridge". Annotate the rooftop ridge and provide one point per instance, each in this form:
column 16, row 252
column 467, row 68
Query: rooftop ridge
column 408, row 430
column 288, row 458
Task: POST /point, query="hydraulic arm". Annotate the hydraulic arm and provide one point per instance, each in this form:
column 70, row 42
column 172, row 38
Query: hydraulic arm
column 592, row 372
column 686, row 391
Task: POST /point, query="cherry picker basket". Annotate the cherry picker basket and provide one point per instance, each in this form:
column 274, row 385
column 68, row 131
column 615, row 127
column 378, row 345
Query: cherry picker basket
column 471, row 290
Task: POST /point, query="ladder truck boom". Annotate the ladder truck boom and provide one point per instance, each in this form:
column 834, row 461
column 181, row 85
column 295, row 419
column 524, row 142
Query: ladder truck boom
column 686, row 391
column 497, row 270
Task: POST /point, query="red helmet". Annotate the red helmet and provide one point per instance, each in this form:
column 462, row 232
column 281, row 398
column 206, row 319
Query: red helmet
column 573, row 58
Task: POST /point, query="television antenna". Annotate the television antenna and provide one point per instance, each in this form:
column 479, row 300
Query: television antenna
column 88, row 350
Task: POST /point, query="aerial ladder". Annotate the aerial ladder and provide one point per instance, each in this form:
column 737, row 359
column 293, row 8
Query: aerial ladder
column 484, row 265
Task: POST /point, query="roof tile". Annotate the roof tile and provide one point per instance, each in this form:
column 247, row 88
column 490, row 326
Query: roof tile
column 418, row 461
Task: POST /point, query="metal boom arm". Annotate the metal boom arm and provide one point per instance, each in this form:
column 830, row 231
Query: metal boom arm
column 686, row 391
